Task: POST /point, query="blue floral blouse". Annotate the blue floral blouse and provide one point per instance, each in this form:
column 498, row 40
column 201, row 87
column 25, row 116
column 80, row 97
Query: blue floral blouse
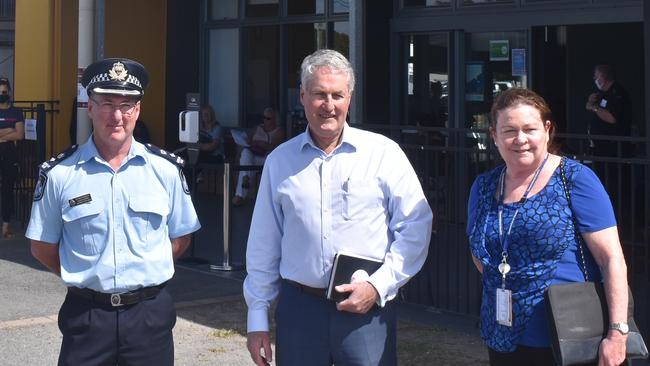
column 542, row 248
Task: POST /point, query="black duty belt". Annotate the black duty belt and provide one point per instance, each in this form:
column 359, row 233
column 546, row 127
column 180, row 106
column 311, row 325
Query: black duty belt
column 117, row 299
column 318, row 292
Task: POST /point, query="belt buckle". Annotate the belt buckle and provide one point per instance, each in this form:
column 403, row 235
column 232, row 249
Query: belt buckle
column 116, row 300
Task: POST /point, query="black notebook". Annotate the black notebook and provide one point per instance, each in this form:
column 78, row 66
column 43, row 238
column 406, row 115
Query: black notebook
column 345, row 265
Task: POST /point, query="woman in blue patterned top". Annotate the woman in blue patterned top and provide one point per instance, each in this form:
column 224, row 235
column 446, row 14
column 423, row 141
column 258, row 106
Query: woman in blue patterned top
column 522, row 235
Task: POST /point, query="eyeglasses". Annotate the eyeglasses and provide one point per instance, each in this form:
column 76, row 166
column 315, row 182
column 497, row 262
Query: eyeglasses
column 125, row 108
column 268, row 118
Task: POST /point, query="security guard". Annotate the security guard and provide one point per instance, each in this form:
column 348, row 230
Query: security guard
column 109, row 217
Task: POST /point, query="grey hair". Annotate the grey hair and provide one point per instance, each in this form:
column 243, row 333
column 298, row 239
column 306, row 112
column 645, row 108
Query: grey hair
column 330, row 59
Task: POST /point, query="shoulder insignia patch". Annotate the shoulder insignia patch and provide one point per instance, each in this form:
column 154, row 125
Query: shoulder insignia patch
column 186, row 188
column 49, row 164
column 40, row 186
column 171, row 157
column 46, row 166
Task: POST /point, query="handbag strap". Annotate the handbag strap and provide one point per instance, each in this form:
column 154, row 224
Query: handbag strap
column 565, row 187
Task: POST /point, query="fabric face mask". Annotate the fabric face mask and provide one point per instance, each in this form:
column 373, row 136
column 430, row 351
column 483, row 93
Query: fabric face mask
column 4, row 98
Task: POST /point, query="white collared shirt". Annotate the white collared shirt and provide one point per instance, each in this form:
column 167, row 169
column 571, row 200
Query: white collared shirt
column 363, row 198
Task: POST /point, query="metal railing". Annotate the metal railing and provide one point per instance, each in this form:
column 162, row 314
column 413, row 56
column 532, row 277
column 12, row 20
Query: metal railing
column 447, row 161
column 31, row 153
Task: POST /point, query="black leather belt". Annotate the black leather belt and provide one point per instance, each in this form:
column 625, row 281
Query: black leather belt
column 318, row 292
column 117, row 299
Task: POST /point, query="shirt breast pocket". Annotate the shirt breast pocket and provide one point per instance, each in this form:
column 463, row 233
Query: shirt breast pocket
column 360, row 196
column 85, row 221
column 148, row 213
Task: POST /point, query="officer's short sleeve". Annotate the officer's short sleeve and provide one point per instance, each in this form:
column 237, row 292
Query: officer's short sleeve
column 182, row 219
column 45, row 223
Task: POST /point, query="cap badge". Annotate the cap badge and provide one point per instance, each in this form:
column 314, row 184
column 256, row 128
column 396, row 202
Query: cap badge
column 118, row 72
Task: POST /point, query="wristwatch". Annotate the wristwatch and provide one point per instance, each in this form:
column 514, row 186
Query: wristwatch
column 622, row 328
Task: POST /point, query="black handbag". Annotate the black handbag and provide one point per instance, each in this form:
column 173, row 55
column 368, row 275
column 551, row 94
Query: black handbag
column 578, row 316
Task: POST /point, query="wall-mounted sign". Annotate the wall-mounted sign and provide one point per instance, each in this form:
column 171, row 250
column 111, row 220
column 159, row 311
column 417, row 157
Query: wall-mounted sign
column 518, row 62
column 499, row 50
column 474, row 82
column 30, row 129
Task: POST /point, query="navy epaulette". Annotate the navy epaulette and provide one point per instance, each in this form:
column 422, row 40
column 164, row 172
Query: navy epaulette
column 173, row 158
column 49, row 164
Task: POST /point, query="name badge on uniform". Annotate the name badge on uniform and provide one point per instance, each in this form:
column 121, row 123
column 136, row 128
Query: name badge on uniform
column 79, row 200
column 603, row 103
column 504, row 307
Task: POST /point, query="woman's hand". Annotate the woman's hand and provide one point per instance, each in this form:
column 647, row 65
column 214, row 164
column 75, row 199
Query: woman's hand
column 612, row 349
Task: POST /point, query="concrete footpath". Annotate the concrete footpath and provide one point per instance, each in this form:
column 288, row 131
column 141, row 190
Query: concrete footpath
column 211, row 322
column 209, row 328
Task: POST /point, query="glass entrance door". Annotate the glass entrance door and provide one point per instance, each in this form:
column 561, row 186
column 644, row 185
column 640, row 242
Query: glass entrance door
column 495, row 61
column 426, row 101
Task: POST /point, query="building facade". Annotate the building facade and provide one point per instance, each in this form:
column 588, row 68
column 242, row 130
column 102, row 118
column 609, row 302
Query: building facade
column 427, row 73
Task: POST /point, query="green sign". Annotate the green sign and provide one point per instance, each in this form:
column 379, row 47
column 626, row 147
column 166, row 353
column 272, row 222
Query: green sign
column 499, row 50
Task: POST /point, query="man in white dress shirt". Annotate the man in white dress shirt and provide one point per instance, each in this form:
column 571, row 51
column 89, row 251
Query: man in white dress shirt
column 332, row 188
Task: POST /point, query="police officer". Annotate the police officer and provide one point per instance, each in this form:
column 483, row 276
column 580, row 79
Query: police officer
column 109, row 217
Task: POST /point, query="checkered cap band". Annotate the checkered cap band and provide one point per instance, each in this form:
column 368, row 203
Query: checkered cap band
column 104, row 77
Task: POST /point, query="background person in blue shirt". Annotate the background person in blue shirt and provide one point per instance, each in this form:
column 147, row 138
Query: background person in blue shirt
column 109, row 217
column 518, row 214
column 332, row 188
column 210, row 137
column 12, row 129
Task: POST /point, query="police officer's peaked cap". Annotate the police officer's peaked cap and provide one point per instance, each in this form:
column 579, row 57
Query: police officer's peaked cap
column 119, row 76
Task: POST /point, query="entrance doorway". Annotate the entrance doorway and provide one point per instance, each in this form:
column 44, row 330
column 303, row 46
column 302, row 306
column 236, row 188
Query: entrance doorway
column 563, row 64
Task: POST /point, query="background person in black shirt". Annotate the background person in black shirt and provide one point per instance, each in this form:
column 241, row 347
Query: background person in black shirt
column 612, row 110
column 12, row 129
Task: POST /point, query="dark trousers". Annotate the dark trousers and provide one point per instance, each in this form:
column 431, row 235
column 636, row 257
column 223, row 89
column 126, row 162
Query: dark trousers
column 310, row 331
column 523, row 355
column 102, row 335
column 9, row 171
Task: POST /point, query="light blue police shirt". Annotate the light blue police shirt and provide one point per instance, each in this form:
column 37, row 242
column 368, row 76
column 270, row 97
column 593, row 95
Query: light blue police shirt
column 120, row 239
column 363, row 198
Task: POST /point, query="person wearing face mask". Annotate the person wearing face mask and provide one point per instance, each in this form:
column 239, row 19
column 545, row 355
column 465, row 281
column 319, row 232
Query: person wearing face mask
column 611, row 109
column 12, row 129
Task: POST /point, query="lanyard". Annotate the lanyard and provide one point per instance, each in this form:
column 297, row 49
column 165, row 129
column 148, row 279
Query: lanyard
column 504, row 267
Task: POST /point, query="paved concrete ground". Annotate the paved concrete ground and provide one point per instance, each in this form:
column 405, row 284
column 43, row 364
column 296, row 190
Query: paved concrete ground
column 32, row 296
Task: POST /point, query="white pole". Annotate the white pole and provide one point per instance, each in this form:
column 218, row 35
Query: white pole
column 85, row 58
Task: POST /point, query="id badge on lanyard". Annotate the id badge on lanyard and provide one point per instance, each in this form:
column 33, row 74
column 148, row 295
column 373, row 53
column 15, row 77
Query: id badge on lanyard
column 503, row 295
column 504, row 307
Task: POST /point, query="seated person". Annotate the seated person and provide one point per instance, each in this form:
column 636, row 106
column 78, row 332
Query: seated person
column 210, row 144
column 267, row 136
column 210, row 137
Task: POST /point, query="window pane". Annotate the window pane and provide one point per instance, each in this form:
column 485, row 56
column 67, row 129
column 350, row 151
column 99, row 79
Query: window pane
column 300, row 7
column 342, row 38
column 261, row 74
column 472, row 2
column 342, row 6
column 262, row 8
column 223, row 75
column 304, row 39
column 495, row 61
column 427, row 77
column 431, row 3
column 223, row 9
